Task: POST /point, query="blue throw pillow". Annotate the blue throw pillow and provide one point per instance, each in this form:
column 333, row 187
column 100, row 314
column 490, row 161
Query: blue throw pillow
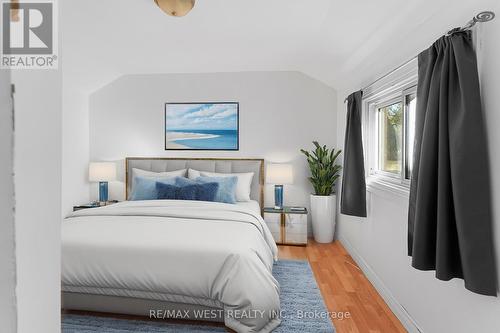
column 166, row 191
column 227, row 187
column 189, row 192
column 195, row 191
column 145, row 187
column 226, row 191
column 208, row 191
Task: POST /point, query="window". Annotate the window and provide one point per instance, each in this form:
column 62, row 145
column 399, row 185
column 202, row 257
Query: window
column 389, row 133
column 395, row 130
column 389, row 110
column 390, row 137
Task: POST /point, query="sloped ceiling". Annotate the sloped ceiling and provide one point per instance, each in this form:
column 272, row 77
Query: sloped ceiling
column 336, row 42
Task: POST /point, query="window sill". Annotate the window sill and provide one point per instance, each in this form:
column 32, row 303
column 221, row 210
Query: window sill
column 386, row 188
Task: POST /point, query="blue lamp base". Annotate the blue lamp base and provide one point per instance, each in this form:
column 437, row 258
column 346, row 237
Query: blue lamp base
column 103, row 191
column 278, row 196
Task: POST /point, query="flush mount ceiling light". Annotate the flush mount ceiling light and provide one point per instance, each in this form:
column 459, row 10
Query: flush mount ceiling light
column 176, row 7
column 14, row 11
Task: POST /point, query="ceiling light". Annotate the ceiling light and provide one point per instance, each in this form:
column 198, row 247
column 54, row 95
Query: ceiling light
column 14, row 11
column 176, row 7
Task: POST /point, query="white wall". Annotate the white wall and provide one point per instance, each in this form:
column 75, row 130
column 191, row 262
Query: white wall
column 7, row 249
column 75, row 118
column 35, row 269
column 75, row 146
column 38, row 199
column 378, row 243
column 280, row 112
column 37, row 166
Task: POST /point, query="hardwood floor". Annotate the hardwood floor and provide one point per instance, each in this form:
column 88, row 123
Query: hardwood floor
column 345, row 289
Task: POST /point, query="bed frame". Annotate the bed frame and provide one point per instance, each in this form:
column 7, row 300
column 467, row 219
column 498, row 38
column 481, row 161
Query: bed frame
column 222, row 165
column 116, row 306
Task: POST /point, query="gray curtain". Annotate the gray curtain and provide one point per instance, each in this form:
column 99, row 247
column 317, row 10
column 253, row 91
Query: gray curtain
column 353, row 200
column 450, row 214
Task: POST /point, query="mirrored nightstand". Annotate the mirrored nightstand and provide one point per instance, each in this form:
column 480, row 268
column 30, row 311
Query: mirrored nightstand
column 288, row 225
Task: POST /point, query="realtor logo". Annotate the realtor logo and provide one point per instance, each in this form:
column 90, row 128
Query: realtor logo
column 29, row 35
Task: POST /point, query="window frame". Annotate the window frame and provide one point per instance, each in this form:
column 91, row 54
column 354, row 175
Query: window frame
column 405, row 170
column 393, row 88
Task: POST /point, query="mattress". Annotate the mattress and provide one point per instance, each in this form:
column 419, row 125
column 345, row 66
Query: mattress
column 210, row 254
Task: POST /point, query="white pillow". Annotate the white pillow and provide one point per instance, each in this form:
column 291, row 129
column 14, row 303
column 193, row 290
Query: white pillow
column 243, row 186
column 150, row 174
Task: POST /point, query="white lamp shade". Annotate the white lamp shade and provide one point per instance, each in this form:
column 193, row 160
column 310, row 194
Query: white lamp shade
column 102, row 171
column 279, row 174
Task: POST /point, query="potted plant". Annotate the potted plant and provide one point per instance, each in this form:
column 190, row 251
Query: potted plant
column 324, row 175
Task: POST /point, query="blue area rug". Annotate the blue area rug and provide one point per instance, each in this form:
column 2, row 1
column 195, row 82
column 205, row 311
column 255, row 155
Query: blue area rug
column 300, row 301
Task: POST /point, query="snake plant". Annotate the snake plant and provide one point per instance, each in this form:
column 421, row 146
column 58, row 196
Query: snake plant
column 324, row 171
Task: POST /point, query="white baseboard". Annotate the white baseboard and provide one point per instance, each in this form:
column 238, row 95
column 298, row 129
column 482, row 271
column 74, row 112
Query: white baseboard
column 400, row 312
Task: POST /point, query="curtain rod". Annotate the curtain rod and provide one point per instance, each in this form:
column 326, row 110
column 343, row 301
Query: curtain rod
column 481, row 17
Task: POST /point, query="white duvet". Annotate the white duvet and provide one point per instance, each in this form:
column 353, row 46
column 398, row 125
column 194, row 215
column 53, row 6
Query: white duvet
column 212, row 254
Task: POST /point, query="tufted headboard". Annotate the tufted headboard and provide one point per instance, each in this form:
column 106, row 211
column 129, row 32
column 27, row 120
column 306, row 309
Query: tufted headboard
column 222, row 165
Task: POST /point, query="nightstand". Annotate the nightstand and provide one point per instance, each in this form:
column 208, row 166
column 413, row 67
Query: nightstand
column 93, row 205
column 288, row 227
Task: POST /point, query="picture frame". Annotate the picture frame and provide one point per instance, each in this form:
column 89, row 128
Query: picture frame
column 202, row 126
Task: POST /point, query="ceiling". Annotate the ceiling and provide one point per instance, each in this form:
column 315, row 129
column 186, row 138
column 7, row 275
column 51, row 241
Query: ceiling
column 337, row 42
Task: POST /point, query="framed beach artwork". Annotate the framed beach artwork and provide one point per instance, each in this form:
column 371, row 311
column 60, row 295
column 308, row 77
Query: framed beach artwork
column 202, row 126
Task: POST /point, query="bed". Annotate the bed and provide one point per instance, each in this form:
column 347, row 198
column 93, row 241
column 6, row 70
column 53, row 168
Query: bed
column 172, row 259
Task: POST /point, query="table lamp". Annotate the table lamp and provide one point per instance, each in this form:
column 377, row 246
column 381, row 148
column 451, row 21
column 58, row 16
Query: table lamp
column 279, row 175
column 102, row 172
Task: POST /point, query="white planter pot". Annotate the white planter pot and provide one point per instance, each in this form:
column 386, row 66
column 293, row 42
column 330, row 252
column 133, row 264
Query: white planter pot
column 323, row 209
